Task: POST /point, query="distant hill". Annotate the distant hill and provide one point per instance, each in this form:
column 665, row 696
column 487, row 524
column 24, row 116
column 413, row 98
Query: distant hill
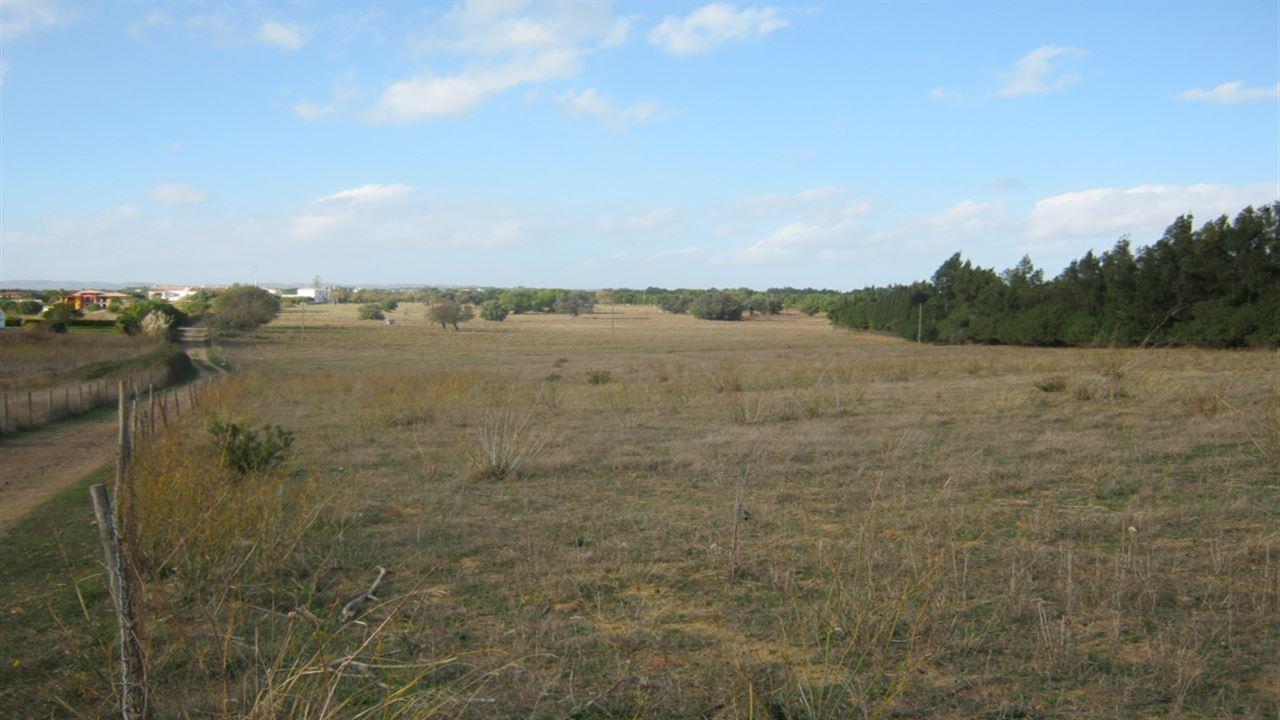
column 67, row 285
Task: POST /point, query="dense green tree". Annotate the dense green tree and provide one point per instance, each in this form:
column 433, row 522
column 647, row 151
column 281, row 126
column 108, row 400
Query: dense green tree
column 574, row 302
column 494, row 311
column 242, row 308
column 716, row 305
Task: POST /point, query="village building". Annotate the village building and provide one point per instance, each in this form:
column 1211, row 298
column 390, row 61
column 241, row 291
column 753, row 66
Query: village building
column 92, row 299
column 170, row 293
column 317, row 294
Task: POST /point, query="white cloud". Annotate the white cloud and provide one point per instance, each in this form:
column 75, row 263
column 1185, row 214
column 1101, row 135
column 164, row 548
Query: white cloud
column 1034, row 74
column 712, row 25
column 28, row 16
column 678, row 252
column 101, row 223
column 311, row 111
column 286, row 36
column 366, row 193
column 342, row 94
column 940, row 93
column 140, row 29
column 1143, row 210
column 1231, row 93
column 419, row 98
column 174, row 194
column 507, row 45
column 590, row 102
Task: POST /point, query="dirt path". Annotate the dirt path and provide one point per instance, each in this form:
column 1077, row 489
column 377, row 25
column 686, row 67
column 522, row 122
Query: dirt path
column 35, row 465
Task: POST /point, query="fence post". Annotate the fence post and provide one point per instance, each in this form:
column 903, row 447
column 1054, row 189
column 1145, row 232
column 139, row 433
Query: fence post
column 31, row 412
column 133, row 692
column 124, row 443
column 48, row 408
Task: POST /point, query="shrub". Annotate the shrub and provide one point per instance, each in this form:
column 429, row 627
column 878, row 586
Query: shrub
column 716, row 306
column 678, row 304
column 493, row 311
column 371, row 311
column 243, row 308
column 574, row 303
column 130, row 320
column 599, row 377
column 57, row 317
column 241, row 450
column 448, row 312
column 389, row 305
column 155, row 325
column 506, row 440
column 1051, row 384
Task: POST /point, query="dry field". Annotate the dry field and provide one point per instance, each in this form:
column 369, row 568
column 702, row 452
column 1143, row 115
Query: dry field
column 33, row 360
column 711, row 520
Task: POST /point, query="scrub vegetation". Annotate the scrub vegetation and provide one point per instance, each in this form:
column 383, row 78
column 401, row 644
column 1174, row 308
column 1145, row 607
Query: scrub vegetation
column 633, row 513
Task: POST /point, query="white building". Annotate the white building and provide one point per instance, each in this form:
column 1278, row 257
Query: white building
column 170, row 292
column 317, row 294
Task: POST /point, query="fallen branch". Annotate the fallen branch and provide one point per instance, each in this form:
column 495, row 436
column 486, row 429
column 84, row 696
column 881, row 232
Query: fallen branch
column 353, row 608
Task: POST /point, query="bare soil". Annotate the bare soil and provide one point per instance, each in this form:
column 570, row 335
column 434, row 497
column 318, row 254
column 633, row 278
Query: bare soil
column 36, row 465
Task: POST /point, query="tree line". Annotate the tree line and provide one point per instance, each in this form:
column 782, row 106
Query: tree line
column 1215, row 286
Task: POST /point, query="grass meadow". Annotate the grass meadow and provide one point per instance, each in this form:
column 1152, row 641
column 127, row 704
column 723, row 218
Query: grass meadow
column 640, row 515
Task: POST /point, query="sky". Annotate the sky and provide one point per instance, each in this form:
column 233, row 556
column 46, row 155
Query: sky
column 824, row 144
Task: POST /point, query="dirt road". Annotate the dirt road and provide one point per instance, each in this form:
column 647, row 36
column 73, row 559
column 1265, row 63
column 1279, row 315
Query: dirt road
column 35, row 465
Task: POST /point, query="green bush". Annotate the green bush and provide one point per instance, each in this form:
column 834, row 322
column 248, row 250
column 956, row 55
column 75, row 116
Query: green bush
column 130, row 320
column 57, row 317
column 716, row 306
column 599, row 377
column 243, row 451
column 574, row 303
column 241, row 309
column 493, row 311
column 371, row 311
column 678, row 304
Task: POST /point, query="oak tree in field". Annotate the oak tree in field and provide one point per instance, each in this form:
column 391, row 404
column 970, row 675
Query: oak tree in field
column 493, row 311
column 242, row 308
column 449, row 312
column 574, row 303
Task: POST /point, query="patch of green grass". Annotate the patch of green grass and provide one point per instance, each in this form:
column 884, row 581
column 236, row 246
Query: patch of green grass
column 56, row 622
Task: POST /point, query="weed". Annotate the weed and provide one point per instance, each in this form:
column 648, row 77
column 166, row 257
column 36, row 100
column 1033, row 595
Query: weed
column 599, row 377
column 1051, row 384
column 243, row 451
column 506, row 440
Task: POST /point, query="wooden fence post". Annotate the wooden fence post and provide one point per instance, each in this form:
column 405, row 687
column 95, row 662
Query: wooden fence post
column 124, row 443
column 133, row 691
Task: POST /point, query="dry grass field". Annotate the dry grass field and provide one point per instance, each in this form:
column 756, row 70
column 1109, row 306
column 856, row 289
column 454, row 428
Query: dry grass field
column 761, row 519
column 31, row 360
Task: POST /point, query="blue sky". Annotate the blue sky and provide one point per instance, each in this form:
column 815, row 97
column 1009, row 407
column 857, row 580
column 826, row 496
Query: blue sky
column 589, row 145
